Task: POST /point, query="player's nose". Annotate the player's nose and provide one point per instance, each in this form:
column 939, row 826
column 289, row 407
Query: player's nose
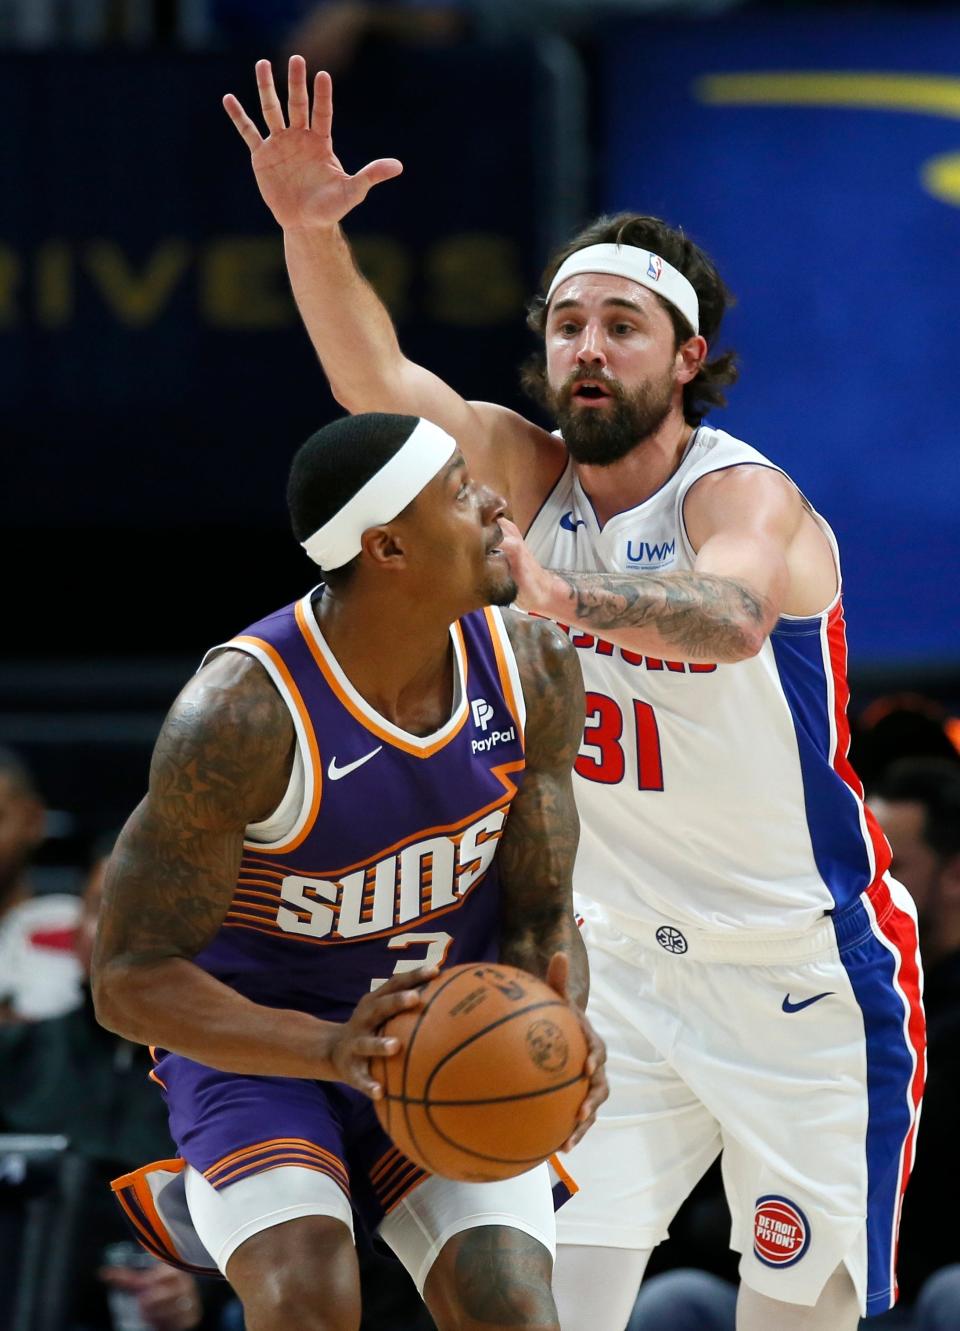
column 590, row 349
column 491, row 504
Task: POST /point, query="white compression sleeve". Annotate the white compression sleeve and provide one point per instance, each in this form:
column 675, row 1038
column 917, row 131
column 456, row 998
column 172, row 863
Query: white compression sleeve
column 595, row 1288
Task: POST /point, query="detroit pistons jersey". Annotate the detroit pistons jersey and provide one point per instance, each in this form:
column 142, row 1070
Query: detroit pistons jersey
column 388, row 860
column 718, row 795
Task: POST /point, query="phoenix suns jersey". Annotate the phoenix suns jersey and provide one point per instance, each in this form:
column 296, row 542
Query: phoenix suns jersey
column 719, row 795
column 388, row 860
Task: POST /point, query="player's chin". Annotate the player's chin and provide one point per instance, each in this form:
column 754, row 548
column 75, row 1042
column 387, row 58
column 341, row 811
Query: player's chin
column 499, row 587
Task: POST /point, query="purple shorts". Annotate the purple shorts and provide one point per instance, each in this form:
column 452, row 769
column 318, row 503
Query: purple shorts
column 229, row 1126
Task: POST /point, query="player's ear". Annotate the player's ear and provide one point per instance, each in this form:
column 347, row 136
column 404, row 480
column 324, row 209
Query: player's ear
column 385, row 546
column 690, row 358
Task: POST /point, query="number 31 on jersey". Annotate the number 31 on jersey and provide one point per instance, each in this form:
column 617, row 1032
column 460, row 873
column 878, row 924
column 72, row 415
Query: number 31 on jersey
column 605, row 759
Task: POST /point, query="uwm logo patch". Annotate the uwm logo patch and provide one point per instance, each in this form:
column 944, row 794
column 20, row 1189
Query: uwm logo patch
column 781, row 1232
column 416, row 882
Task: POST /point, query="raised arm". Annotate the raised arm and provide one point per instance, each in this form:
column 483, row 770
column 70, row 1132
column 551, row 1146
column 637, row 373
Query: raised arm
column 744, row 523
column 222, row 760
column 309, row 193
column 539, row 932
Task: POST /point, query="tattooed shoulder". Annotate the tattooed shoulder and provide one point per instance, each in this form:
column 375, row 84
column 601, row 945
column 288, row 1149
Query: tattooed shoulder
column 225, row 750
column 552, row 687
column 222, row 760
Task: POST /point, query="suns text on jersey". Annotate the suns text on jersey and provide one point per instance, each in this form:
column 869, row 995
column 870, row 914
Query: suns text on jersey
column 413, row 883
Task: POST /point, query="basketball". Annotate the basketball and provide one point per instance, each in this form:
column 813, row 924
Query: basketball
column 490, row 1077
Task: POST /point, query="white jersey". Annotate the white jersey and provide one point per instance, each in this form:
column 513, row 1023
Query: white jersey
column 717, row 795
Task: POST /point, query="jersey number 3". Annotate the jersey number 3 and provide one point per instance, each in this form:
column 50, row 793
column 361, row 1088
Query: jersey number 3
column 604, row 733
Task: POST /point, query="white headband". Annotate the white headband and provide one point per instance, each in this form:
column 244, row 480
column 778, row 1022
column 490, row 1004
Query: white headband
column 380, row 499
column 640, row 266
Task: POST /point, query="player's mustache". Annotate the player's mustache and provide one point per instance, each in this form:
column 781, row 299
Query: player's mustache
column 613, row 386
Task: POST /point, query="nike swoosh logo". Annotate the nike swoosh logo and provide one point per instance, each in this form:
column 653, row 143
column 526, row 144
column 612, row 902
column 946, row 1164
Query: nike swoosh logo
column 335, row 773
column 570, row 523
column 804, row 1002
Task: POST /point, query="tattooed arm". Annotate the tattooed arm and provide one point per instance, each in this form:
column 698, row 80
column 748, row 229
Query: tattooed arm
column 222, row 760
column 743, row 523
column 536, row 853
column 539, row 843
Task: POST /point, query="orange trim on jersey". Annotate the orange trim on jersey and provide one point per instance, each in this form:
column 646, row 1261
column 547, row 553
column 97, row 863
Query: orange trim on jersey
column 502, row 773
column 234, row 919
column 136, row 1181
column 400, row 1184
column 415, row 1183
column 152, row 1076
column 298, row 702
column 506, row 683
column 300, row 1143
column 367, row 721
column 383, row 1164
column 569, row 1183
column 283, row 1160
column 144, row 1237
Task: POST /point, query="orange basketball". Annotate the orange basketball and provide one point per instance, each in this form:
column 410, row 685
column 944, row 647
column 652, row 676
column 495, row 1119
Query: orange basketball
column 490, row 1077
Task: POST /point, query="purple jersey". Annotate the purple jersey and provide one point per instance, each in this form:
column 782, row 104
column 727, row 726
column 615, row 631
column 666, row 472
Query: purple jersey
column 390, row 862
column 386, row 862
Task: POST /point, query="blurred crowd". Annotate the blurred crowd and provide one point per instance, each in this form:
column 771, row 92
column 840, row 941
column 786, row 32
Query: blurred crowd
column 64, row 1077
column 329, row 32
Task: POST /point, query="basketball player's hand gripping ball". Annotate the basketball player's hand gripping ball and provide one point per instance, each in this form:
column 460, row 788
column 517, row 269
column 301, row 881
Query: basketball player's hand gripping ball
column 492, row 1076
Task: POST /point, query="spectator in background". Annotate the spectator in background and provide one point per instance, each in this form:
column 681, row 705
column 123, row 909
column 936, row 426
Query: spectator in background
column 39, row 973
column 67, row 1075
column 901, row 725
column 917, row 803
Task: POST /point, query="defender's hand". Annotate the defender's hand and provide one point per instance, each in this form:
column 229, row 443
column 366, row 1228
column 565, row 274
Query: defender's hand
column 598, row 1089
column 355, row 1042
column 300, row 177
column 534, row 582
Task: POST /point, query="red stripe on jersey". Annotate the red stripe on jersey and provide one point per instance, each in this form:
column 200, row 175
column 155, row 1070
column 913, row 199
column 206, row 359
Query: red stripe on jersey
column 900, row 931
column 57, row 940
column 837, row 649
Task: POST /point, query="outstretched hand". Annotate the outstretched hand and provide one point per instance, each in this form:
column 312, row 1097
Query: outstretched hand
column 300, row 177
column 598, row 1090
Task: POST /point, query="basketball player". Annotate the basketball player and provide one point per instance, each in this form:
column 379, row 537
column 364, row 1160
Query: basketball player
column 755, row 970
column 364, row 785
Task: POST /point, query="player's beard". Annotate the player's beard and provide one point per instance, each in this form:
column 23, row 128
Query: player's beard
column 599, row 436
column 501, row 592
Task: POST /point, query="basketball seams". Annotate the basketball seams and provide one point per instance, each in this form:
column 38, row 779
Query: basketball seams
column 450, row 979
column 424, row 1103
column 500, row 1021
column 415, row 1116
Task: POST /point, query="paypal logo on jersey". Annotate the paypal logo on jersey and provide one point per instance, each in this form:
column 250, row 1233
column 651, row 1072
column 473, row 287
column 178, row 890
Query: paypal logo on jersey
column 482, row 716
column 650, row 555
column 569, row 523
column 482, row 712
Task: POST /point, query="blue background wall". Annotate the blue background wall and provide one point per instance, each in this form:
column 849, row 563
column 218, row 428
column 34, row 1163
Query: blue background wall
column 829, row 195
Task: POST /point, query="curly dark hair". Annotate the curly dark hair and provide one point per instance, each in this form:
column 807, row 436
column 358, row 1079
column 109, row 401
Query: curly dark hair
column 650, row 233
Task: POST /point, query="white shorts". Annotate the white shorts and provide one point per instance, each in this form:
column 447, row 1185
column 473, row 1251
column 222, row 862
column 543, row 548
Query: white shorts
column 416, row 1228
column 801, row 1057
